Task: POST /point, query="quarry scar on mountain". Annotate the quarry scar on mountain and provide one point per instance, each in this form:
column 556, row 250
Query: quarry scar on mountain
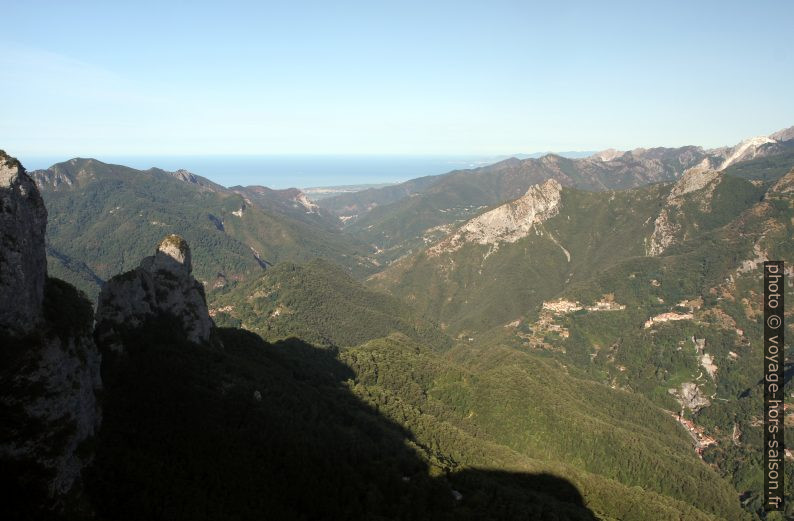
column 507, row 223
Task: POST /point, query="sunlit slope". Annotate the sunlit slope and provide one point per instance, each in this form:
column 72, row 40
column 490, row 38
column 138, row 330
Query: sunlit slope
column 102, row 218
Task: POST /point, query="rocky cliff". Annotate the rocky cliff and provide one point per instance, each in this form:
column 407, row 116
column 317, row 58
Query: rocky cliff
column 23, row 261
column 666, row 228
column 161, row 285
column 49, row 375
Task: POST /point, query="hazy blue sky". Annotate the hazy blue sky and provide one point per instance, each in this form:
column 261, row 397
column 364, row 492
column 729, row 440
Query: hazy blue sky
column 334, row 77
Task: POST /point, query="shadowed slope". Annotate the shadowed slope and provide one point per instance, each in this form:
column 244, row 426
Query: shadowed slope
column 273, row 431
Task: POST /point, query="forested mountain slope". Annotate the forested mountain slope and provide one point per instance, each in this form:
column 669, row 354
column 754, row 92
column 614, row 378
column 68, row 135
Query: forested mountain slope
column 320, row 303
column 102, row 217
column 507, row 260
column 680, row 327
column 570, row 353
column 425, row 214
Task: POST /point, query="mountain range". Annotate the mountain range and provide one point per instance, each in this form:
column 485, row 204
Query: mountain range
column 543, row 338
column 404, row 217
column 103, row 216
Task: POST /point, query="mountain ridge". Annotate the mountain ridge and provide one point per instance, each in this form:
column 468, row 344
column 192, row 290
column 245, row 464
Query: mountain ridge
column 411, row 414
column 408, row 224
column 234, row 236
column 490, row 321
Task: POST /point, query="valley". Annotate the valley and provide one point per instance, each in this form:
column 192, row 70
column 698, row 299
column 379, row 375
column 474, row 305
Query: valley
column 572, row 338
column 396, row 261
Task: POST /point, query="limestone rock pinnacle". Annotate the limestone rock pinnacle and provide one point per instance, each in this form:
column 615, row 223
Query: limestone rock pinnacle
column 162, row 284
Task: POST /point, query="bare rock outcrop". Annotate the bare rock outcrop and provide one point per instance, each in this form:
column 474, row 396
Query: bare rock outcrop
column 609, row 154
column 23, row 261
column 508, row 222
column 50, row 373
column 666, row 229
column 54, row 390
column 693, row 180
column 162, row 284
column 664, row 233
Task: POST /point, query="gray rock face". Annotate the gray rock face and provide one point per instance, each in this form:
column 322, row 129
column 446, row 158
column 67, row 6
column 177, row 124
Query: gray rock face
column 23, row 261
column 162, row 284
column 58, row 397
column 699, row 180
column 71, row 370
column 51, row 369
column 508, row 222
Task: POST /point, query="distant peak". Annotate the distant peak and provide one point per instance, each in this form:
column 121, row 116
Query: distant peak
column 509, row 162
column 608, row 154
column 783, row 135
column 747, row 149
column 82, row 161
column 186, row 176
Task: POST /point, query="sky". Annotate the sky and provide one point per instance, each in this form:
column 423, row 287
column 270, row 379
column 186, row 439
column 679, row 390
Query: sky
column 95, row 79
